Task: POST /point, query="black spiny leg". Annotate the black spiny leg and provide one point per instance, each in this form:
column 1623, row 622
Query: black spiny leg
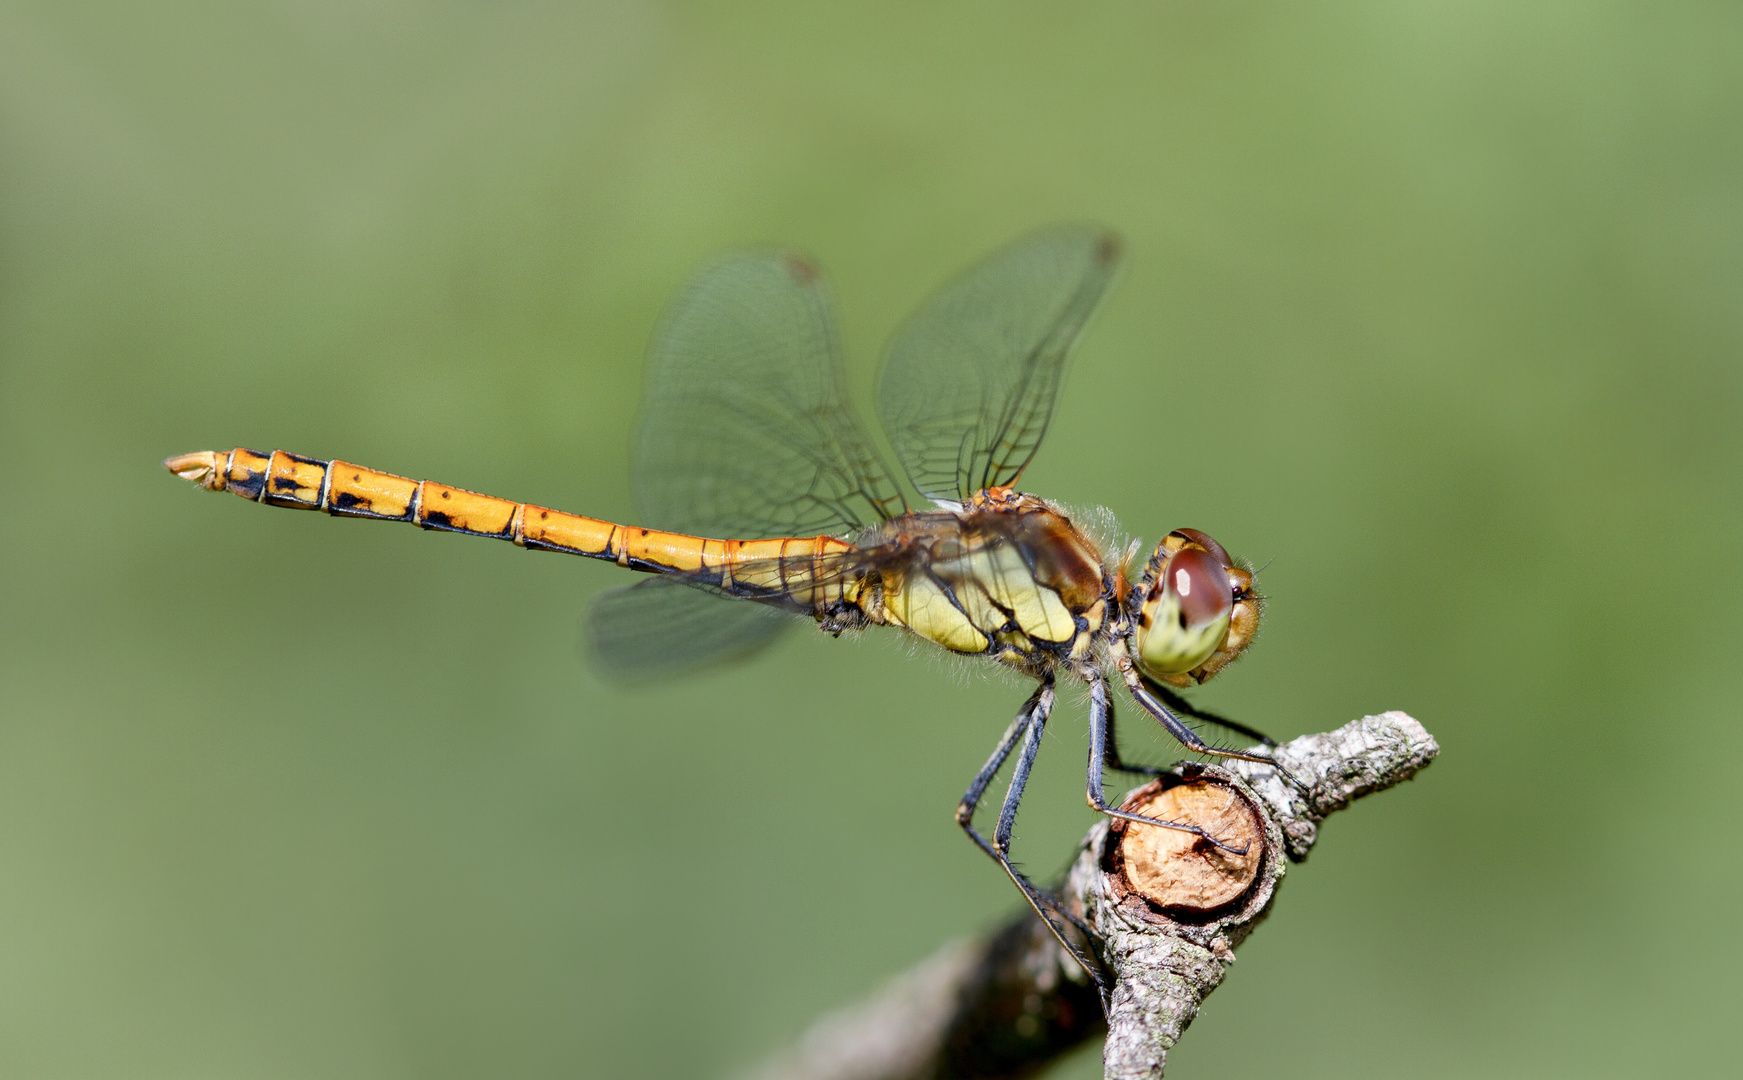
column 971, row 798
column 1028, row 727
column 1111, row 751
column 1183, row 707
column 1100, row 745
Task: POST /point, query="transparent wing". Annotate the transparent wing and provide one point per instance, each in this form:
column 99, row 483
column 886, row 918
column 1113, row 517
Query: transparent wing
column 664, row 626
column 745, row 429
column 745, row 433
column 680, row 621
column 969, row 383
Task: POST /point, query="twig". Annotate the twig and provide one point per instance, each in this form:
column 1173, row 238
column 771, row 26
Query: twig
column 1167, row 913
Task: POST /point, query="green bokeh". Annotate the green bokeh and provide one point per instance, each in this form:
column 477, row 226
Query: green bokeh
column 1438, row 306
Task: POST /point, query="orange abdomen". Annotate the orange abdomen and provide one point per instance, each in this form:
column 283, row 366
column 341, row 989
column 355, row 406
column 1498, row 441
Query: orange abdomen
column 346, row 490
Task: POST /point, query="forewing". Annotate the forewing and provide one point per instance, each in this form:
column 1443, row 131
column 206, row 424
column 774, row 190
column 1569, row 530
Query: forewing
column 664, row 626
column 968, row 385
column 745, row 430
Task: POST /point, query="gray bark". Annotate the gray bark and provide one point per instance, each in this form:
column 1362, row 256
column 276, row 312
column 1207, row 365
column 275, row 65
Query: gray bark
column 1011, row 1002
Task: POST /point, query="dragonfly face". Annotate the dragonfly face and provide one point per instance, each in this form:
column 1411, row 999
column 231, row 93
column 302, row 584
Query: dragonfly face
column 757, row 483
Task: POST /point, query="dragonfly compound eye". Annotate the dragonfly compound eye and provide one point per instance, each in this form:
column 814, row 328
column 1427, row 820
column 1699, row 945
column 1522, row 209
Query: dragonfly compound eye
column 1179, row 538
column 1185, row 617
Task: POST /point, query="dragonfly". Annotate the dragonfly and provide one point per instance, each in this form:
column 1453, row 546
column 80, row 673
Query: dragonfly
column 766, row 502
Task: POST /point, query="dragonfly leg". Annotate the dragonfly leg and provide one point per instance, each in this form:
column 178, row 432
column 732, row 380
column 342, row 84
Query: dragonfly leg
column 1181, row 706
column 1190, row 738
column 971, row 798
column 1111, row 758
column 1027, row 728
column 1100, row 743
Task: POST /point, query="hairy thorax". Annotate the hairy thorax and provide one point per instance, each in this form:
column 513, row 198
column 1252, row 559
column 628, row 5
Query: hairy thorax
column 1005, row 575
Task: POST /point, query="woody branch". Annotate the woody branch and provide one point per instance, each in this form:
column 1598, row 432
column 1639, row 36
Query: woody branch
column 1167, row 910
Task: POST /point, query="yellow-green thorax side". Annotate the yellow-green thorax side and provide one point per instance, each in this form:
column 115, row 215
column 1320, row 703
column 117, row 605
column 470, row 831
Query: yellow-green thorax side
column 1005, row 575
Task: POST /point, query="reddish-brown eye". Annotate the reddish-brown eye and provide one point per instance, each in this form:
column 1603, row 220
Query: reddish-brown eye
column 1199, row 580
column 1186, row 617
column 1204, row 541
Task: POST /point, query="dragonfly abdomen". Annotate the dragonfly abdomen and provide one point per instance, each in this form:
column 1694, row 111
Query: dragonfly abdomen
column 346, row 490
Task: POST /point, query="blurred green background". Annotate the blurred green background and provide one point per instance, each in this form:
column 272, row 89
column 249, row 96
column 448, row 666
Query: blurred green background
column 1436, row 308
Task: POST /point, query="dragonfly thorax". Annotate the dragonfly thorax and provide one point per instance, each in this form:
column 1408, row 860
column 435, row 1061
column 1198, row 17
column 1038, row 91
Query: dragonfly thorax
column 1004, row 575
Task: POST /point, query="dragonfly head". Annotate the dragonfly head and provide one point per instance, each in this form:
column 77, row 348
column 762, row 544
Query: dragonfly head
column 1199, row 610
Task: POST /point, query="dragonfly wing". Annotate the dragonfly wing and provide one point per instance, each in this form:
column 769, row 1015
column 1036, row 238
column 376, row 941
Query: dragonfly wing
column 745, row 430
column 745, row 433
column 664, row 626
column 968, row 384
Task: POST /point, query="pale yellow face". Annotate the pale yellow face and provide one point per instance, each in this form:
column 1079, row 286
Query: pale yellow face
column 1199, row 613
